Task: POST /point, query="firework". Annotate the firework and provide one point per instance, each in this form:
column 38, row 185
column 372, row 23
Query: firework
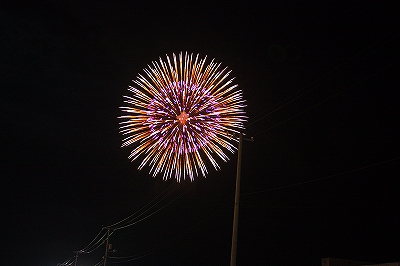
column 182, row 115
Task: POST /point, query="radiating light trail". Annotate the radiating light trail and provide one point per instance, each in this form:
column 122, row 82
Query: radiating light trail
column 182, row 115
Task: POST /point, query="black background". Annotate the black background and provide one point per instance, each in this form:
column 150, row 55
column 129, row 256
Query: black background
column 321, row 83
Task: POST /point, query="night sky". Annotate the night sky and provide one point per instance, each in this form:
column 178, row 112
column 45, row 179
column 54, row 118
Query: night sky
column 321, row 82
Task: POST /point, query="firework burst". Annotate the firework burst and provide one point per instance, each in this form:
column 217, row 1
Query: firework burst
column 180, row 115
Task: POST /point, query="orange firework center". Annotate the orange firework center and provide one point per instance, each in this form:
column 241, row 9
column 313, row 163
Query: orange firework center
column 183, row 117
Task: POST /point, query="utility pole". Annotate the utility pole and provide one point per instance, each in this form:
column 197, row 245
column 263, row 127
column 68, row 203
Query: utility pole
column 237, row 195
column 76, row 257
column 236, row 207
column 106, row 253
column 108, row 246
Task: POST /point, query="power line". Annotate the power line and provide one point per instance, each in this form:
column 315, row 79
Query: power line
column 321, row 102
column 100, row 263
column 315, row 86
column 319, row 179
column 159, row 209
column 133, row 218
column 67, row 262
column 94, row 239
column 98, row 241
column 93, row 246
column 96, row 247
column 150, row 251
column 115, row 225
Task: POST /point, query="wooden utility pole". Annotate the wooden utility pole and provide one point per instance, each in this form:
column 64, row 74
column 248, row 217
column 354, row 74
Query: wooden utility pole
column 106, row 252
column 76, row 257
column 236, row 208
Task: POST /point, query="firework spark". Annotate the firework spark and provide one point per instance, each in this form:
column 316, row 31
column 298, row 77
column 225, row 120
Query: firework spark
column 181, row 115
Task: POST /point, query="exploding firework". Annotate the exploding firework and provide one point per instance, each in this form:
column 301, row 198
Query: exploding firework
column 181, row 115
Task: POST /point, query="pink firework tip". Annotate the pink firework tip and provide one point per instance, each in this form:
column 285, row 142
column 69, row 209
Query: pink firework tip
column 181, row 116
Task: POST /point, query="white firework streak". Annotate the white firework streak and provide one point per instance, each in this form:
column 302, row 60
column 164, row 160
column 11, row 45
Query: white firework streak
column 182, row 114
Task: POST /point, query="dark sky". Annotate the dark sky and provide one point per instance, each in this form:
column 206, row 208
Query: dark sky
column 321, row 82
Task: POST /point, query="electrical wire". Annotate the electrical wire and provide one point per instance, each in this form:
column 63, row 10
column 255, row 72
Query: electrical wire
column 321, row 102
column 128, row 260
column 135, row 216
column 319, row 179
column 71, row 259
column 315, row 86
column 97, row 242
column 159, row 209
column 91, row 244
column 130, row 220
column 115, row 225
column 67, row 262
column 95, row 247
column 100, row 263
column 150, row 251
